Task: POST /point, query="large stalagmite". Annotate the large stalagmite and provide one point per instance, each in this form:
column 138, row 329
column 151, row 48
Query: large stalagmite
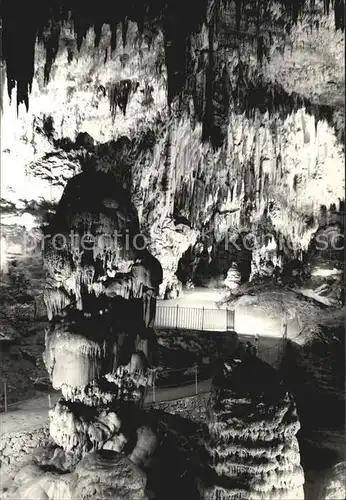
column 252, row 446
column 100, row 295
column 109, row 283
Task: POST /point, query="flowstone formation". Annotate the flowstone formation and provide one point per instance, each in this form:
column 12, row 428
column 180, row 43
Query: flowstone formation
column 100, row 296
column 252, row 446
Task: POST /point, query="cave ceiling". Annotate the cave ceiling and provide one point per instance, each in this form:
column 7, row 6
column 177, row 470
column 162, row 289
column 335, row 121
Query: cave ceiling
column 302, row 30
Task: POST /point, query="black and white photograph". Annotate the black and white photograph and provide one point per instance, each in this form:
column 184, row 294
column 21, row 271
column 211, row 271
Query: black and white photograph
column 172, row 294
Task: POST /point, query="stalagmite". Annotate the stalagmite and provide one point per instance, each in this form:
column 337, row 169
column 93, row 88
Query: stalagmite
column 146, row 444
column 233, row 278
column 252, row 445
column 116, row 476
column 334, row 485
column 79, row 433
column 99, row 346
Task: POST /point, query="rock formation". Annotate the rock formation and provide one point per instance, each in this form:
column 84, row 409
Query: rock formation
column 97, row 475
column 229, row 143
column 334, row 487
column 109, row 477
column 252, row 446
column 101, row 293
column 100, row 296
column 233, row 279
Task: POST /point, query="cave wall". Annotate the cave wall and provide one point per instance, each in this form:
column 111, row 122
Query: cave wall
column 243, row 148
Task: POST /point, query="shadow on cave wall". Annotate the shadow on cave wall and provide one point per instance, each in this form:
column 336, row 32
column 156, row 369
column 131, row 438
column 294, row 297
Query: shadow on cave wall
column 315, row 373
column 182, row 448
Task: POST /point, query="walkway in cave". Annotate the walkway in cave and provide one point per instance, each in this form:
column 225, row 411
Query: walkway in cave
column 246, row 322
column 33, row 413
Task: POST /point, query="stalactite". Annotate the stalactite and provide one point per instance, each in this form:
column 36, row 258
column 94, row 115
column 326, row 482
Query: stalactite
column 239, row 5
column 256, row 94
column 339, row 6
column 208, row 119
column 97, row 31
column 167, row 178
column 50, row 40
column 80, row 434
column 175, row 54
column 124, row 28
column 35, row 19
column 113, row 36
column 119, row 95
column 19, row 57
column 55, row 300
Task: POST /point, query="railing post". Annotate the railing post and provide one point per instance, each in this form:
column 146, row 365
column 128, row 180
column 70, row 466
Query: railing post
column 176, row 317
column 229, row 319
column 5, row 396
column 202, row 318
column 256, row 344
column 49, row 401
column 284, row 339
column 154, row 388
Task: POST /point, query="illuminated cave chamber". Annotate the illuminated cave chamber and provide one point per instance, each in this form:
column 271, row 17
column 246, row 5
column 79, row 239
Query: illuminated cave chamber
column 190, row 126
